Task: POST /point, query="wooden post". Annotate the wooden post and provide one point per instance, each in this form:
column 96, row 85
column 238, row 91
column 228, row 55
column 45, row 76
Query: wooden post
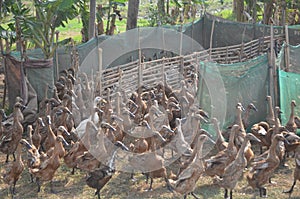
column 56, row 54
column 181, row 37
column 140, row 70
column 211, row 39
column 3, row 65
column 287, row 50
column 100, row 51
column 163, row 70
column 202, row 85
column 272, row 70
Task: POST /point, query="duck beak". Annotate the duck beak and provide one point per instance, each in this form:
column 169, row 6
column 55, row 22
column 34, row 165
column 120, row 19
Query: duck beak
column 254, row 138
column 26, row 144
column 286, row 141
column 66, row 132
column 121, row 145
column 23, row 107
column 42, row 123
column 255, row 109
column 65, row 143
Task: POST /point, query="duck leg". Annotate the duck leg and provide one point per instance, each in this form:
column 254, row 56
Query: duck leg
column 226, row 194
column 263, row 192
column 151, row 182
column 51, row 187
column 38, row 184
column 98, row 193
column 193, row 194
column 291, row 189
column 7, row 157
column 169, row 186
column 73, row 171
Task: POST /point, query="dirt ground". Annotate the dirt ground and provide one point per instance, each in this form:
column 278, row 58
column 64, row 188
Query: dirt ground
column 69, row 186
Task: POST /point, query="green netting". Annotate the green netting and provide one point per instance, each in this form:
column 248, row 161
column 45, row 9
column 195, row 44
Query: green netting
column 245, row 82
column 289, row 84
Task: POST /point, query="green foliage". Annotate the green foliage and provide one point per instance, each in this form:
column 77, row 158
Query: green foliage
column 49, row 15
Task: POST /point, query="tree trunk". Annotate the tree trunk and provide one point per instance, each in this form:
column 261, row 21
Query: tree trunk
column 161, row 9
column 132, row 14
column 268, row 11
column 240, row 10
column 92, row 19
column 254, row 15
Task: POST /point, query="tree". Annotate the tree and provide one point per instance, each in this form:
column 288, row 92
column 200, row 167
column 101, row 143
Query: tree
column 51, row 14
column 269, row 6
column 132, row 14
column 92, row 19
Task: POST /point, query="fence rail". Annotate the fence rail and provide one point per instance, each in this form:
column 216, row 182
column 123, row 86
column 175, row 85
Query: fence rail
column 126, row 77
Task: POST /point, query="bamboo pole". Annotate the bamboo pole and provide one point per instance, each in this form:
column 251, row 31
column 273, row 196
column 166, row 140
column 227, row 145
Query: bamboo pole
column 100, row 53
column 287, row 49
column 56, row 54
column 202, row 85
column 211, row 39
column 3, row 65
column 273, row 72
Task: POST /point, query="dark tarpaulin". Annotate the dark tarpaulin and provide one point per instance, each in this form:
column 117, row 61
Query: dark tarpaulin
column 18, row 85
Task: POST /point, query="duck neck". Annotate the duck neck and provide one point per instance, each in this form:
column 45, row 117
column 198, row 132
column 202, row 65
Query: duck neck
column 239, row 120
column 218, row 131
column 199, row 149
column 19, row 153
column 272, row 152
column 242, row 150
column 246, row 115
column 231, row 139
column 270, row 107
column 292, row 115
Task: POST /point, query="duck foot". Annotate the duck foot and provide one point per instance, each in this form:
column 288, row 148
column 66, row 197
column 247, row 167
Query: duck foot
column 291, row 189
column 148, row 190
column 193, row 194
column 263, row 192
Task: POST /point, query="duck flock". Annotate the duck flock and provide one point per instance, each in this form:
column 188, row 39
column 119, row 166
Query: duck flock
column 85, row 131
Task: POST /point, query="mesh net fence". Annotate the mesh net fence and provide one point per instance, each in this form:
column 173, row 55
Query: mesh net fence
column 289, row 82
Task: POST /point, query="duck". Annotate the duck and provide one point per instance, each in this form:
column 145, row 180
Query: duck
column 178, row 143
column 50, row 139
column 291, row 126
column 10, row 141
column 186, row 181
column 2, row 118
column 216, row 164
column 270, row 119
column 81, row 146
column 36, row 136
column 47, row 169
column 261, row 171
column 245, row 118
column 221, row 144
column 185, row 164
column 58, row 144
column 99, row 177
column 151, row 163
column 261, row 131
column 14, row 170
column 234, row 171
column 296, row 173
